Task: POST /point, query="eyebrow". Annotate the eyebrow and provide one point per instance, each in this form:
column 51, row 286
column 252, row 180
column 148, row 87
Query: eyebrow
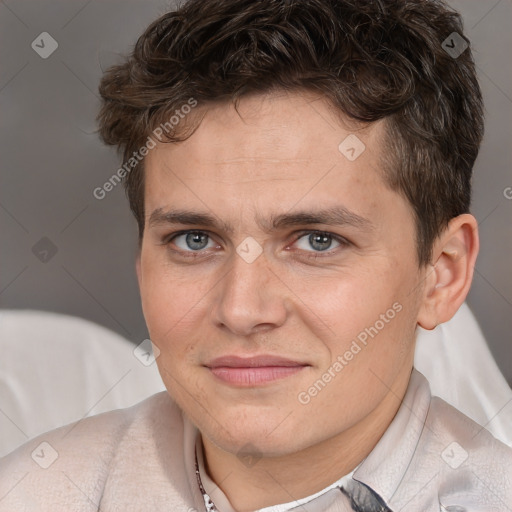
column 335, row 216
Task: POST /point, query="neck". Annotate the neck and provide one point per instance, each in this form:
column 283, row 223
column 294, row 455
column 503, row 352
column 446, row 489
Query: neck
column 274, row 480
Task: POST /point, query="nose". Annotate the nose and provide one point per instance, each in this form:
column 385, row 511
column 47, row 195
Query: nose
column 250, row 298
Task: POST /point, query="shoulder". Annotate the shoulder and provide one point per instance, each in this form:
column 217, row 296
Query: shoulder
column 76, row 463
column 451, row 429
column 462, row 461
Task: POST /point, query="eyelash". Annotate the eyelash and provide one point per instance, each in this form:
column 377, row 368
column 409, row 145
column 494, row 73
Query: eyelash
column 314, row 254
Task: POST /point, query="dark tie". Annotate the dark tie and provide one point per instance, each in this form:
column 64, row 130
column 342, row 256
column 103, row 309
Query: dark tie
column 363, row 499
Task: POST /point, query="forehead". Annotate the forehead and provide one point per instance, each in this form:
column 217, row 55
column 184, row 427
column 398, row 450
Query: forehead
column 299, row 130
column 274, row 150
column 300, row 126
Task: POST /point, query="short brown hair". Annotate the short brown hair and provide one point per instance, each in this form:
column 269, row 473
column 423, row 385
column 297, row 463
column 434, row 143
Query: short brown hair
column 372, row 60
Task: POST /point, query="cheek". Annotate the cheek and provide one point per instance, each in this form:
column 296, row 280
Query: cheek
column 370, row 319
column 341, row 303
column 171, row 297
column 172, row 309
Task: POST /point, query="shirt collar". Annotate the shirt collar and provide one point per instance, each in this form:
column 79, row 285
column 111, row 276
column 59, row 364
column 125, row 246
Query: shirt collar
column 385, row 466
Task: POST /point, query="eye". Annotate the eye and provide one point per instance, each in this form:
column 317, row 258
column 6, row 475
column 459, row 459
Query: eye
column 192, row 241
column 319, row 241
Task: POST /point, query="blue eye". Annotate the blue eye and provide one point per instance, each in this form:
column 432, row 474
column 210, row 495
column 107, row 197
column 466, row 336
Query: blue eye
column 318, row 241
column 192, row 241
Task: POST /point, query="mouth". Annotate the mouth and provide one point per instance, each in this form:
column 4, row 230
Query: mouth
column 253, row 371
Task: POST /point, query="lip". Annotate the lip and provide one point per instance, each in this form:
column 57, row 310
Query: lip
column 255, row 370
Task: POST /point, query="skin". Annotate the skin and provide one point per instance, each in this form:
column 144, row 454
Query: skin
column 279, row 154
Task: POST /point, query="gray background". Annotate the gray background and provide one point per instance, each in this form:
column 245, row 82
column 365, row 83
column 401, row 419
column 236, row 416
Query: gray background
column 51, row 161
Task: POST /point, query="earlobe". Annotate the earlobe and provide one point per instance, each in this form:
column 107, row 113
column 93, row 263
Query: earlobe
column 427, row 316
column 449, row 276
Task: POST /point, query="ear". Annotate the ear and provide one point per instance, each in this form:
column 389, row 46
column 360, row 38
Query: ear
column 450, row 274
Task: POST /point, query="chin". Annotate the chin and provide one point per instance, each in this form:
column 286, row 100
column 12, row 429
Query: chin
column 257, row 438
column 257, row 446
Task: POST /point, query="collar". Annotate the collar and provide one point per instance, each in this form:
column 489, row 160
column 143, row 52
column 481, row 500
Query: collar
column 384, row 468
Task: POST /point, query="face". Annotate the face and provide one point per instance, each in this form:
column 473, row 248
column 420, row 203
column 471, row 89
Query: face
column 278, row 277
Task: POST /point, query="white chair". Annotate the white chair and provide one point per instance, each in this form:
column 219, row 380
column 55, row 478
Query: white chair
column 461, row 370
column 56, row 369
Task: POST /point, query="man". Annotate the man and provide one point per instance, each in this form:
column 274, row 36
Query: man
column 300, row 174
